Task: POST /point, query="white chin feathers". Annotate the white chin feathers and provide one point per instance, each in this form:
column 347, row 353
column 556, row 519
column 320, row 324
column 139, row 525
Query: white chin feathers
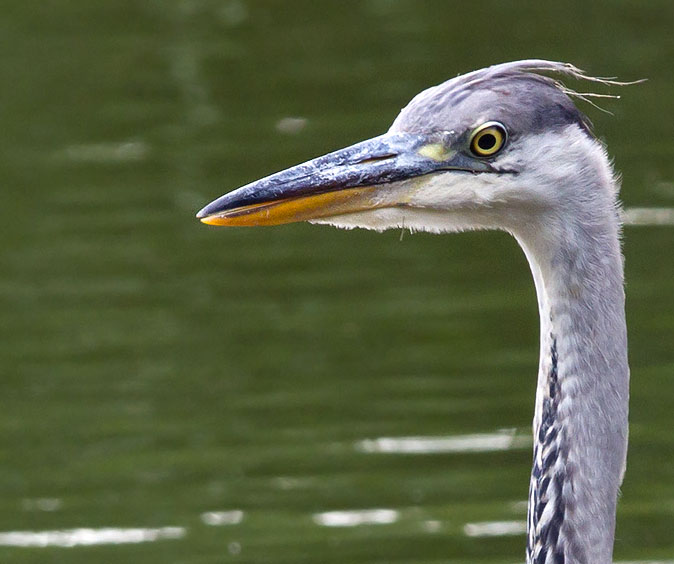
column 403, row 218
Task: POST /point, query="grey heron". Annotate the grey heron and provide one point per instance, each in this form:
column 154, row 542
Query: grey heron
column 504, row 148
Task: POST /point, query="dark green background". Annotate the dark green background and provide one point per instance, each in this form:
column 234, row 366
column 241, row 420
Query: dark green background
column 154, row 369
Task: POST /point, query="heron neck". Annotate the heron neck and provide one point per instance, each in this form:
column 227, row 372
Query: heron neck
column 580, row 421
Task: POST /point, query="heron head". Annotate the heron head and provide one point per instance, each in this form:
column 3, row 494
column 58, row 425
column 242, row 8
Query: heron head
column 488, row 149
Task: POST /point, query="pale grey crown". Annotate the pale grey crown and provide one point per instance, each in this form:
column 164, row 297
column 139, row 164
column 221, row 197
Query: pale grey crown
column 513, row 94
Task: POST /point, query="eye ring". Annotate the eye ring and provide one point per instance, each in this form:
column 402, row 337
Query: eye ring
column 488, row 139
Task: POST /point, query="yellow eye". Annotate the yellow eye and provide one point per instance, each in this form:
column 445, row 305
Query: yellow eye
column 488, row 139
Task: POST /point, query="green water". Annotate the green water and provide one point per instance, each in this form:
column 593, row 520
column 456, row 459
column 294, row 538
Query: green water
column 155, row 370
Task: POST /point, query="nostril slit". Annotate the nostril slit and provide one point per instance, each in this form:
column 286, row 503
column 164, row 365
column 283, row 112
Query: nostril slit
column 377, row 158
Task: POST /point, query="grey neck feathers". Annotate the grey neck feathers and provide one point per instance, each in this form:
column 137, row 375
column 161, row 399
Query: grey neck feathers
column 580, row 421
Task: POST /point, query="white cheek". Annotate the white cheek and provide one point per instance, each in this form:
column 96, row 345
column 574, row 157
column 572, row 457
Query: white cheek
column 460, row 190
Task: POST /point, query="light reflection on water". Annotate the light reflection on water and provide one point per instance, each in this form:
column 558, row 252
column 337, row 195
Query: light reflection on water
column 356, row 518
column 218, row 518
column 495, row 528
column 486, row 442
column 42, row 504
column 105, row 153
column 649, row 216
column 88, row 537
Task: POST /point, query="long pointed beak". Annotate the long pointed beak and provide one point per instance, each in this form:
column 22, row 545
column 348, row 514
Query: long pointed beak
column 346, row 181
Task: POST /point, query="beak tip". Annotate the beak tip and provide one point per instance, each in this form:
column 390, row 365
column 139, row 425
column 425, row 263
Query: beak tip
column 223, row 203
column 203, row 213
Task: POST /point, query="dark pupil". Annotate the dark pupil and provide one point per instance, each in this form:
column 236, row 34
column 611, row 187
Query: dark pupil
column 486, row 142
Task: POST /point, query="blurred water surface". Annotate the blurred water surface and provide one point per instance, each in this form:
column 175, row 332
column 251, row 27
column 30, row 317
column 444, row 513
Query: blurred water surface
column 177, row 393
